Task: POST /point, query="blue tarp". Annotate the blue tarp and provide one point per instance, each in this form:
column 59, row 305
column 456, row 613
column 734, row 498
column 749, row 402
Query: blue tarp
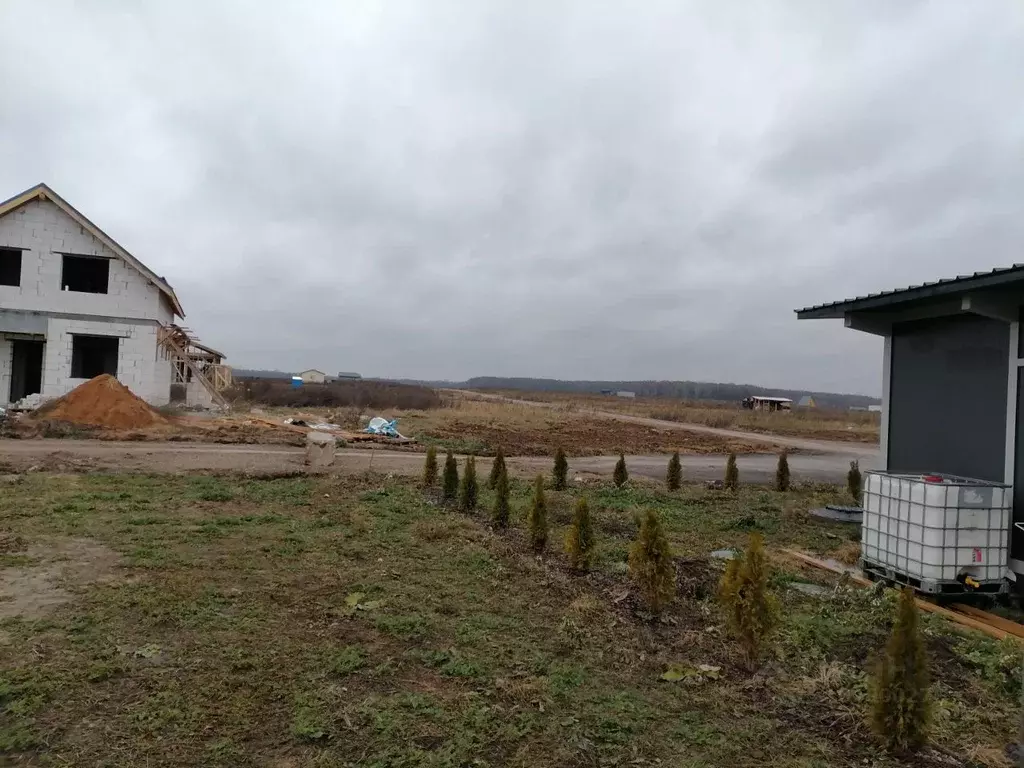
column 381, row 426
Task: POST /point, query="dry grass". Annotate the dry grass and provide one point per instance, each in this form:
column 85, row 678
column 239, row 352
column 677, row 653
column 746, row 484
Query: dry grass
column 848, row 553
column 821, row 423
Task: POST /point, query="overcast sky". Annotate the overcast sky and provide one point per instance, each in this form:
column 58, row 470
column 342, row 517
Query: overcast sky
column 614, row 190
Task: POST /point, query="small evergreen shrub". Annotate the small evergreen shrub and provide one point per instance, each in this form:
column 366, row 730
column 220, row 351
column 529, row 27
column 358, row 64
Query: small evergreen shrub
column 430, row 467
column 782, row 473
column 621, row 474
column 537, row 517
column 560, row 471
column 468, row 491
column 502, row 511
column 751, row 611
column 853, row 481
column 497, row 467
column 579, row 541
column 674, row 475
column 900, row 709
column 732, row 474
column 450, row 479
column 651, row 566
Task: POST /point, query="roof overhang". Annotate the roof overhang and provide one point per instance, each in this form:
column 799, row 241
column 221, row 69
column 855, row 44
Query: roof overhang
column 209, row 350
column 43, row 192
column 998, row 294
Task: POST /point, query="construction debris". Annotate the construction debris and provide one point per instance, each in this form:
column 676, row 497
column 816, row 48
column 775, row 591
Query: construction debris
column 101, row 402
column 28, row 402
column 839, row 513
column 381, row 426
column 807, row 588
column 321, row 426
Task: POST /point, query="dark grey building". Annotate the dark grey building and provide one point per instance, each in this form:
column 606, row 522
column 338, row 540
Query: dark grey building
column 951, row 378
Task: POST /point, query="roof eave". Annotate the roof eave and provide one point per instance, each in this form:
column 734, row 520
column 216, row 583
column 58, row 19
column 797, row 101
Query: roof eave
column 825, row 313
column 892, row 299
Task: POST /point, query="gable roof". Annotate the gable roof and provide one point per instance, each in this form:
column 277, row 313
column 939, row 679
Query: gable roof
column 43, row 192
column 1000, row 277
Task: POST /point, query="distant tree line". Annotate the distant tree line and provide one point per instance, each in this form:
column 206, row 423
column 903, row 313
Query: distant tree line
column 359, row 393
column 680, row 390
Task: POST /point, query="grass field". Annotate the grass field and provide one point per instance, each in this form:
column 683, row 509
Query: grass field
column 234, row 621
column 821, row 423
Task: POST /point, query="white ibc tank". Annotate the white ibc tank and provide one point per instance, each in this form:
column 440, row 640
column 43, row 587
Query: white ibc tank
column 936, row 527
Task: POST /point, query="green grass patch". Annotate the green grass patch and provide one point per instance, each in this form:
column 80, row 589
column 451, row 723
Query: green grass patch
column 352, row 622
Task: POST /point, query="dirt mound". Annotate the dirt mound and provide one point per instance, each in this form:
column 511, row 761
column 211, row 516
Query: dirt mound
column 102, row 402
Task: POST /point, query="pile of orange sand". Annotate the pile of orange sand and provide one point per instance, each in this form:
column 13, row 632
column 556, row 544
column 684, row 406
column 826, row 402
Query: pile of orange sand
column 102, row 402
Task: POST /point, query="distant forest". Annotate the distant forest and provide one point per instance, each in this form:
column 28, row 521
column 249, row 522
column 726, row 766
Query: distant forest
column 680, row 390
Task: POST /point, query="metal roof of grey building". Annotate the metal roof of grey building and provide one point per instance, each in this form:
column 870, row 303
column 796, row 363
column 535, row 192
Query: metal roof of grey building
column 1001, row 276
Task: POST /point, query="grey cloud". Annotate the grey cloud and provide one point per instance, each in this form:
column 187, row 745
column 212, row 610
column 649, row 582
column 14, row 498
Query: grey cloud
column 571, row 189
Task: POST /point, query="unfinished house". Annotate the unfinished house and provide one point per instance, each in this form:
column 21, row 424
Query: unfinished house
column 74, row 304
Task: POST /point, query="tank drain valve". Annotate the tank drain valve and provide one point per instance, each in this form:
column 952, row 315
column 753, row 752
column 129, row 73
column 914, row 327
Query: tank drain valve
column 968, row 581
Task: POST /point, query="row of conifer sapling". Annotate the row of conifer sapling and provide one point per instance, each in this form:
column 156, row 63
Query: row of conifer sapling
column 467, row 494
column 731, row 481
column 899, row 693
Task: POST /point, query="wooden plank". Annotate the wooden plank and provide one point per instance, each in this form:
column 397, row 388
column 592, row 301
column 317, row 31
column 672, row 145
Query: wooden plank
column 974, row 622
column 962, row 619
column 272, row 423
column 803, row 557
column 1007, row 625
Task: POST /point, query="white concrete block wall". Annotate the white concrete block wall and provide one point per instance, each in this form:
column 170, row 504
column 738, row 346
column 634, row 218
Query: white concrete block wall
column 6, row 350
column 198, row 395
column 140, row 365
column 163, row 375
column 46, row 231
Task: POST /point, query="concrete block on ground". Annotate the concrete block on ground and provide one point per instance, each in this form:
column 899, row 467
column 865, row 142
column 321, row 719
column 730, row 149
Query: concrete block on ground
column 320, row 450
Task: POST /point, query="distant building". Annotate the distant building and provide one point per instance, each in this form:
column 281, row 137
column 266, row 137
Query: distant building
column 806, row 402
column 313, row 376
column 875, row 408
column 349, row 375
column 625, row 393
column 761, row 403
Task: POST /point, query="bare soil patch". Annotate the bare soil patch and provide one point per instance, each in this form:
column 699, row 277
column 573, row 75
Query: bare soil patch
column 586, row 437
column 53, row 567
column 481, row 426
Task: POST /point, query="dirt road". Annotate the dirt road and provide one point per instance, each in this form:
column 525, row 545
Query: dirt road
column 79, row 455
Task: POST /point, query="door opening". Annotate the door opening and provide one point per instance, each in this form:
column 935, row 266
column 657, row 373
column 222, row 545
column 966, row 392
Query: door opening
column 26, row 368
